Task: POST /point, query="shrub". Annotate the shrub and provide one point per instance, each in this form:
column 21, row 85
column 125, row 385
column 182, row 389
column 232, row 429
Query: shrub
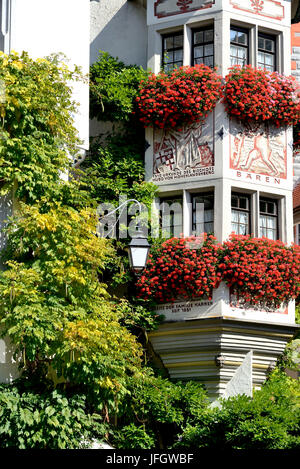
column 114, row 87
column 134, row 437
column 162, row 407
column 49, row 420
column 271, row 420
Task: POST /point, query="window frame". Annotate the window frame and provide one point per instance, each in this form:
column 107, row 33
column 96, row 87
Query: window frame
column 193, row 214
column 173, row 199
column 248, row 210
column 193, row 44
column 273, row 38
column 247, row 47
column 166, row 36
column 276, row 202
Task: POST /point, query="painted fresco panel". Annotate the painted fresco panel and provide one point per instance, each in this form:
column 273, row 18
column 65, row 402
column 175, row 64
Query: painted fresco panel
column 259, row 150
column 269, row 8
column 163, row 8
column 184, row 153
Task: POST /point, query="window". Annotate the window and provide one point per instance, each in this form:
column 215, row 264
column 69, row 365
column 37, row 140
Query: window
column 172, row 51
column 171, row 217
column 266, row 56
column 268, row 218
column 203, row 46
column 240, row 213
column 238, row 46
column 203, row 213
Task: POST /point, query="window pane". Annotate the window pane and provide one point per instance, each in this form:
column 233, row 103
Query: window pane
column 178, row 55
column 263, row 232
column 271, row 234
column 269, row 59
column 203, row 213
column 169, row 57
column 242, row 38
column 208, row 215
column 209, row 228
column 209, row 49
column 235, row 216
column 261, row 43
column 268, row 219
column 171, row 217
column 234, row 201
column 209, row 35
column 198, row 51
column 172, row 52
column 263, row 221
column 168, row 43
column 261, row 57
column 243, row 230
column 235, row 228
column 209, row 61
column 233, row 51
column 240, row 214
column 243, row 218
column 178, row 41
column 262, row 206
column 242, row 53
column 198, row 37
column 271, row 222
column 233, row 35
column 269, row 45
column 204, row 53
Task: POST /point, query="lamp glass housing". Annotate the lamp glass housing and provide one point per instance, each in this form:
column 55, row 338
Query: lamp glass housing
column 138, row 252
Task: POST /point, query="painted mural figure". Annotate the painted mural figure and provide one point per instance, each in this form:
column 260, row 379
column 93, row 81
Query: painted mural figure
column 261, row 151
column 178, row 150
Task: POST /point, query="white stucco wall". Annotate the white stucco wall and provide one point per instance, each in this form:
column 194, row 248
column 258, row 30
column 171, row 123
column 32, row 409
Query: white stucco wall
column 43, row 27
column 119, row 27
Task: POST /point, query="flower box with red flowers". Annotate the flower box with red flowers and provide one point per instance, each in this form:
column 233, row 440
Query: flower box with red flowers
column 252, row 94
column 259, row 272
column 183, row 96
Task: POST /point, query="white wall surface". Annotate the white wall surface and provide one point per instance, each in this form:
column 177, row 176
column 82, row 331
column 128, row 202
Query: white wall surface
column 119, row 27
column 43, row 27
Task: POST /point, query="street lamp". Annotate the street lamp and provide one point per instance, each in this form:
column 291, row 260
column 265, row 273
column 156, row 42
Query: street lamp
column 138, row 251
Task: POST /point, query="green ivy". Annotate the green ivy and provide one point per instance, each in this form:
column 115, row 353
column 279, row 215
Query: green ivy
column 114, row 87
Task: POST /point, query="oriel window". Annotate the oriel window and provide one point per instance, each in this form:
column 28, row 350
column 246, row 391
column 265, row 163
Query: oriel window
column 172, row 56
column 268, row 218
column 203, row 46
column 239, row 46
column 240, row 213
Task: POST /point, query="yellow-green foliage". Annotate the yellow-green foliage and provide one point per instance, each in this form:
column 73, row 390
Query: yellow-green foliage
column 37, row 130
column 54, row 308
column 62, row 246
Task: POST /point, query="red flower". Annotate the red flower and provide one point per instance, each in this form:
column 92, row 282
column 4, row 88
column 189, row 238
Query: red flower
column 259, row 270
column 183, row 96
column 251, row 93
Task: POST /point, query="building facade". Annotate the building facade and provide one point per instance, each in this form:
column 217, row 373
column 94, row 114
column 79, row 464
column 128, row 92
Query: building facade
column 242, row 177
